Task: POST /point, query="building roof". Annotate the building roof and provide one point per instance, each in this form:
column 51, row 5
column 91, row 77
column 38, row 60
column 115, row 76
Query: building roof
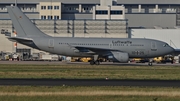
column 148, row 1
column 94, row 1
column 63, row 1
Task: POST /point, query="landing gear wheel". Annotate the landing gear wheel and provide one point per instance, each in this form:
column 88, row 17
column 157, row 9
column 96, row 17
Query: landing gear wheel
column 172, row 61
column 150, row 63
column 97, row 62
column 92, row 63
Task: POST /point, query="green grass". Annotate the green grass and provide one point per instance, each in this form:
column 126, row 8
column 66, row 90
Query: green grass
column 90, row 72
column 76, row 93
column 87, row 98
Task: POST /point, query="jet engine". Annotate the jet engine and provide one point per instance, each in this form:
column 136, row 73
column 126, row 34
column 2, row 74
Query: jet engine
column 119, row 57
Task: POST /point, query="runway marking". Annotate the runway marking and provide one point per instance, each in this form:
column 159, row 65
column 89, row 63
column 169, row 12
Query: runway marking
column 95, row 93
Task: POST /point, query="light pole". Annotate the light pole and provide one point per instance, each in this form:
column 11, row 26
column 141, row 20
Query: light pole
column 15, row 2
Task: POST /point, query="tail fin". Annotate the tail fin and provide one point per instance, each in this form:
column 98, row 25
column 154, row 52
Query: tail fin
column 23, row 26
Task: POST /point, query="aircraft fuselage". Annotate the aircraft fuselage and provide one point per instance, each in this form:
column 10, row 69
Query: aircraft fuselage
column 139, row 48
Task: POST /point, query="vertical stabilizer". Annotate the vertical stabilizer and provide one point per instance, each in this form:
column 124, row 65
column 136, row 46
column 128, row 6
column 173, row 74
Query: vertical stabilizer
column 23, row 26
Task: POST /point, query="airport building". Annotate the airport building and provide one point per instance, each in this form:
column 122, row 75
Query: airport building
column 164, row 13
column 171, row 36
column 90, row 18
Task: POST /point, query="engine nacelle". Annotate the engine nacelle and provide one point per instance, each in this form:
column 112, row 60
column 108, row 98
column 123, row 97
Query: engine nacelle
column 119, row 57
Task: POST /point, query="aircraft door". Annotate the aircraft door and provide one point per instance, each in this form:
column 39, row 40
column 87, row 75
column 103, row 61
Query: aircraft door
column 51, row 45
column 110, row 46
column 153, row 48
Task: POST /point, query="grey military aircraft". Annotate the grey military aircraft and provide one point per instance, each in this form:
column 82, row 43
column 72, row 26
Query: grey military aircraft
column 117, row 49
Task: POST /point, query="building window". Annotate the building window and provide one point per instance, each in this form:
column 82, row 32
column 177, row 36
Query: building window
column 56, row 7
column 67, row 8
column 4, row 8
column 116, row 12
column 43, row 7
column 86, row 8
column 50, row 17
column 22, row 8
column 56, row 17
column 50, row 7
column 101, row 12
column 43, row 17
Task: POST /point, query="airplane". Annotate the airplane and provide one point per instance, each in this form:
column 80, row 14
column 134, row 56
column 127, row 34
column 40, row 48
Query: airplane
column 116, row 49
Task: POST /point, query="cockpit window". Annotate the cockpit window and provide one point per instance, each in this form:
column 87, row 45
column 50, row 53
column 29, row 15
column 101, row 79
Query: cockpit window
column 165, row 45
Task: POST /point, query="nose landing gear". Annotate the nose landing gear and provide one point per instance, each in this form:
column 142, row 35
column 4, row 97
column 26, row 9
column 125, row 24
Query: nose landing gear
column 150, row 63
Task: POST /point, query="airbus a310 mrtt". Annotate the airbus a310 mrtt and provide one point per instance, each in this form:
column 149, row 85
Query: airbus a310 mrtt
column 117, row 49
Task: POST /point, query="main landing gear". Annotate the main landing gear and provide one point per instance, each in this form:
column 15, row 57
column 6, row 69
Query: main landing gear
column 95, row 61
column 92, row 62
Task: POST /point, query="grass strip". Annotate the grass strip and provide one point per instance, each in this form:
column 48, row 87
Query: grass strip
column 95, row 93
column 90, row 72
column 78, row 93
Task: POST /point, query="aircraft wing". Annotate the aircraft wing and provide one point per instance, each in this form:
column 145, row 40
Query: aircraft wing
column 95, row 50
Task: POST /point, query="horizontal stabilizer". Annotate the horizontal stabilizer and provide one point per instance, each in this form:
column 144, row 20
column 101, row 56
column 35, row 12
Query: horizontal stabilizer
column 25, row 41
column 18, row 39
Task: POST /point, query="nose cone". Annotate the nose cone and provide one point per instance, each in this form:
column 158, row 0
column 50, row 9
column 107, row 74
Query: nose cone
column 171, row 49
